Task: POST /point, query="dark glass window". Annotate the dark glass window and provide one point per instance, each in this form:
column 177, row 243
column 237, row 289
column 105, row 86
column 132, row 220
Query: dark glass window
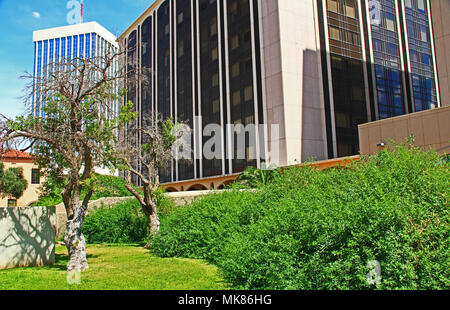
column 147, row 68
column 210, row 78
column 163, row 63
column 347, row 73
column 387, row 63
column 241, row 80
column 420, row 51
column 184, row 78
column 349, row 102
column 132, row 77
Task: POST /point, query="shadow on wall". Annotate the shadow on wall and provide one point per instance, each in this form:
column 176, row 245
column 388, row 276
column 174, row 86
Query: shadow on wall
column 27, row 237
column 313, row 113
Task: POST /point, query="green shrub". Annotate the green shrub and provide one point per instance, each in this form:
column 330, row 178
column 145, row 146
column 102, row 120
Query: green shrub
column 166, row 205
column 200, row 230
column 122, row 223
column 311, row 229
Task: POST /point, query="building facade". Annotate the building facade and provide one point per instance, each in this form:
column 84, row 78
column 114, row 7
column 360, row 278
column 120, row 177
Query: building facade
column 440, row 10
column 308, row 71
column 31, row 173
column 430, row 128
column 56, row 45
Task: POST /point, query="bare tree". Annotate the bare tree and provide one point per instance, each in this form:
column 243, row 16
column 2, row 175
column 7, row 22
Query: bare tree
column 144, row 150
column 71, row 125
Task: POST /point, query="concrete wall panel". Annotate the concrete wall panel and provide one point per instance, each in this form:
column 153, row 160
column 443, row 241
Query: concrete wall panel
column 27, row 237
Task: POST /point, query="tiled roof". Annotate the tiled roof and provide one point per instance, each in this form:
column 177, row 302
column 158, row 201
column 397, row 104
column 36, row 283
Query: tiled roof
column 14, row 154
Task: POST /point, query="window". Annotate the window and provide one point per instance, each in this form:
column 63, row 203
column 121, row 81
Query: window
column 214, row 54
column 342, row 120
column 213, row 26
column 393, row 50
column 12, row 203
column 166, row 58
column 421, row 5
column 181, row 48
column 357, row 94
column 180, row 18
column 424, row 33
column 345, row 149
column 332, row 5
column 235, row 70
column 410, row 27
column 334, row 33
column 216, row 106
column 353, row 38
column 235, row 42
column 215, row 80
column 233, row 8
column 236, row 98
column 426, row 59
column 35, row 177
column 248, row 93
column 408, row 4
column 350, row 10
column 377, row 45
column 390, row 22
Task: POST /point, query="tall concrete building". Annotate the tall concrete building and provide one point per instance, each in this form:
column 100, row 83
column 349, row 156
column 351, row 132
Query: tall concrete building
column 315, row 68
column 441, row 25
column 56, row 45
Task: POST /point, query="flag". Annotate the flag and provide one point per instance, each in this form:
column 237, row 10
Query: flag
column 81, row 11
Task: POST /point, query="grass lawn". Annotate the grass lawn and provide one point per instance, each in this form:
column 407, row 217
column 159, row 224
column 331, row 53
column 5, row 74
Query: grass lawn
column 117, row 268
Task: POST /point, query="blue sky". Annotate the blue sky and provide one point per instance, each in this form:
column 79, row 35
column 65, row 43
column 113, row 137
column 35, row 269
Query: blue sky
column 18, row 20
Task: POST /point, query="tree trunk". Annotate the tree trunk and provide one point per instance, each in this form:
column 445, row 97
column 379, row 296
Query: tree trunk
column 75, row 241
column 153, row 223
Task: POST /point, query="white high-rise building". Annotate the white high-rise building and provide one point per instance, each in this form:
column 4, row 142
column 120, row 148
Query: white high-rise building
column 53, row 45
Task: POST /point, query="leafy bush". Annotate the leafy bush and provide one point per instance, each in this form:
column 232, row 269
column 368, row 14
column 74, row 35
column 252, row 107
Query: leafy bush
column 311, row 229
column 200, row 230
column 12, row 182
column 122, row 223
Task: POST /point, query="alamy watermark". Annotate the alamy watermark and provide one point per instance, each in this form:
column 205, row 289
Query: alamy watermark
column 73, row 277
column 75, row 15
column 227, row 142
column 374, row 275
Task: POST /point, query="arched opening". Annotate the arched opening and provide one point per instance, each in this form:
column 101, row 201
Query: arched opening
column 197, row 187
column 225, row 184
column 171, row 190
column 221, row 186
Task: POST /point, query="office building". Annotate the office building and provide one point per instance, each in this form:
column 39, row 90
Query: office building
column 441, row 17
column 315, row 68
column 56, row 45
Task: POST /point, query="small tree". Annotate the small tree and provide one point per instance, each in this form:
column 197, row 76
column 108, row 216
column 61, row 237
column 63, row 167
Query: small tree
column 12, row 182
column 144, row 151
column 255, row 178
column 72, row 128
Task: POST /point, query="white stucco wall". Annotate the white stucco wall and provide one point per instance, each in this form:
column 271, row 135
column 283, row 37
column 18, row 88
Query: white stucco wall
column 27, row 236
